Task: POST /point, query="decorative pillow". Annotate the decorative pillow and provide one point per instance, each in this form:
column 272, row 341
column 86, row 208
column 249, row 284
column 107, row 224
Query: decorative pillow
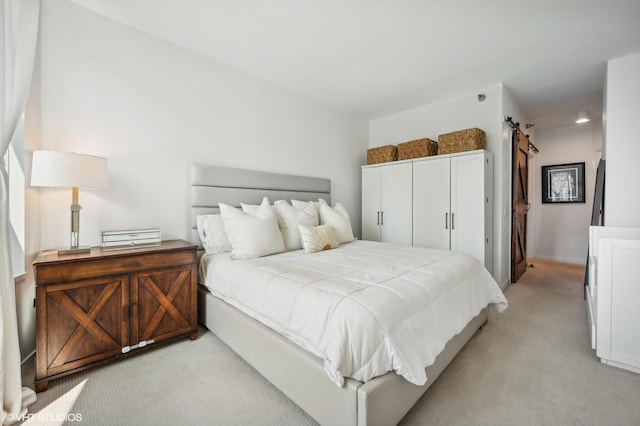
column 252, row 235
column 314, row 205
column 339, row 219
column 288, row 219
column 317, row 238
column 212, row 233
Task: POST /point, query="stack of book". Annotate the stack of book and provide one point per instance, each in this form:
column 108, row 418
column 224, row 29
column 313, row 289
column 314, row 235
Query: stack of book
column 130, row 238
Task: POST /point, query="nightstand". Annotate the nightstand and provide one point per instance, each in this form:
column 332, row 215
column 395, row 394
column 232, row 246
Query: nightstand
column 103, row 305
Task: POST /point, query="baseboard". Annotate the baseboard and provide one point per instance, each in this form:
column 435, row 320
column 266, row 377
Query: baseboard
column 569, row 260
column 504, row 285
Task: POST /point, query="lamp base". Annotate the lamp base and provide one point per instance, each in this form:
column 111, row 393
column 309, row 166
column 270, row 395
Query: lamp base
column 81, row 249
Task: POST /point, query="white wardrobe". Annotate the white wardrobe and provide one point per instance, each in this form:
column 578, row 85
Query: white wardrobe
column 445, row 200
column 386, row 202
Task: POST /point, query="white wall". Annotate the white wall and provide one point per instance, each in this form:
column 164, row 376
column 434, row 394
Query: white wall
column 152, row 108
column 431, row 120
column 457, row 113
column 622, row 196
column 560, row 232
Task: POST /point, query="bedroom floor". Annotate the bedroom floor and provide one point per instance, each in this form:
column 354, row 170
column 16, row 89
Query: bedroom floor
column 531, row 365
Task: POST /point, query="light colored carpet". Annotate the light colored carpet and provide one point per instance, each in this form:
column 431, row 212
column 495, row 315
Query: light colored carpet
column 200, row 382
column 531, row 365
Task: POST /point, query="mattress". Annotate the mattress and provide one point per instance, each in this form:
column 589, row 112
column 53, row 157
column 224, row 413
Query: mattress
column 365, row 308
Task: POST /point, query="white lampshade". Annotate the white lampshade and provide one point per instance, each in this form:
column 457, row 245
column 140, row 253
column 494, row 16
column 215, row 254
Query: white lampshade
column 68, row 169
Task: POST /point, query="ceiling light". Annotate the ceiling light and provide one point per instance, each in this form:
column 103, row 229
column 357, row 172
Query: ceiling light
column 583, row 117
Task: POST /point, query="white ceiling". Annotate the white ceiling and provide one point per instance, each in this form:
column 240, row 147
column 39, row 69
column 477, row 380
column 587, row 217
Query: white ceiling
column 376, row 57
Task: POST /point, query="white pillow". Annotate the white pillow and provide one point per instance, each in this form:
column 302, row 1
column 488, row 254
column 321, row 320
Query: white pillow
column 212, row 233
column 339, row 219
column 288, row 219
column 252, row 235
column 317, row 238
column 314, row 204
column 251, row 208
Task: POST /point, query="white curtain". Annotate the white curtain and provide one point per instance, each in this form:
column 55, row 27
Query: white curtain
column 18, row 37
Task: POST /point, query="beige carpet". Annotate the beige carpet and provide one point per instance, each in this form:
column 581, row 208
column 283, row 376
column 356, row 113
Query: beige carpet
column 531, row 365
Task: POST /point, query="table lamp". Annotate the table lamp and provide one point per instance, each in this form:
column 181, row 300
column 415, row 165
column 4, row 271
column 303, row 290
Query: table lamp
column 70, row 170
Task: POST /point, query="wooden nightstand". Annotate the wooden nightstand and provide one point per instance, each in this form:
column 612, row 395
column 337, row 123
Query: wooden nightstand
column 102, row 305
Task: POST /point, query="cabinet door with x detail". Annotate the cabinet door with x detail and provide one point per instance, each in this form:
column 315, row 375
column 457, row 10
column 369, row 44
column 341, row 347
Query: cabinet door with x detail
column 85, row 322
column 163, row 304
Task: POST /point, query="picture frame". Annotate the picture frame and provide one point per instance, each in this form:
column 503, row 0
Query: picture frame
column 563, row 183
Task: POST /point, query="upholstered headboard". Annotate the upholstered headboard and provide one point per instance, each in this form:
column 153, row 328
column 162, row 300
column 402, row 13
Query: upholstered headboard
column 210, row 185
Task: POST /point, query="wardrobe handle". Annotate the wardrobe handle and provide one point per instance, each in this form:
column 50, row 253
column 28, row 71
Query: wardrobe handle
column 453, row 226
column 382, row 218
column 378, row 217
column 446, row 221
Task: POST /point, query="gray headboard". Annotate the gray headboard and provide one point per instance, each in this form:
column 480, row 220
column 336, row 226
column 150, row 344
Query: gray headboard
column 209, row 185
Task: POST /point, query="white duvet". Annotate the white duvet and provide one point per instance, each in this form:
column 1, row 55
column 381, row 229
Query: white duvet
column 365, row 308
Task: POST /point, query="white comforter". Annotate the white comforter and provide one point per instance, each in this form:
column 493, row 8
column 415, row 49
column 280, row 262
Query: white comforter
column 365, row 308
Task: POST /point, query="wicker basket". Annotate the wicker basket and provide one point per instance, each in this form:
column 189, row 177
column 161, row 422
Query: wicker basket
column 418, row 148
column 463, row 140
column 382, row 154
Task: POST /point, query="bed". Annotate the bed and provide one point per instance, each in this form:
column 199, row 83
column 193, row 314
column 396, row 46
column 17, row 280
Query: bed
column 299, row 373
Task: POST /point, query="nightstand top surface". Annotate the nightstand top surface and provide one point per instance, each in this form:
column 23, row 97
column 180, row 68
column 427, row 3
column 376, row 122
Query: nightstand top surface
column 48, row 256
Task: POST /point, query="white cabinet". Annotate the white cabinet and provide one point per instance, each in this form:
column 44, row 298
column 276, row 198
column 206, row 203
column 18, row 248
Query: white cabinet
column 452, row 204
column 386, row 203
column 612, row 295
column 443, row 201
column 431, row 203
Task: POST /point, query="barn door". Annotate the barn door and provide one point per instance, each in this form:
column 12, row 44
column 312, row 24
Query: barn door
column 520, row 205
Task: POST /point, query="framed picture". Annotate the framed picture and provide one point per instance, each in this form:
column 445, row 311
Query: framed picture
column 563, row 183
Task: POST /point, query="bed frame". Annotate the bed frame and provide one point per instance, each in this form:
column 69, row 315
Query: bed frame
column 297, row 373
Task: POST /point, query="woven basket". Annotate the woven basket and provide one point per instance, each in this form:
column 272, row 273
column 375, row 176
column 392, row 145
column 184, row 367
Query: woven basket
column 418, row 148
column 463, row 140
column 382, row 154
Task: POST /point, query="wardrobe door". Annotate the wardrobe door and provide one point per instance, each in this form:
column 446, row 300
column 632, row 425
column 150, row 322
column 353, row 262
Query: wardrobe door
column 371, row 204
column 468, row 205
column 431, row 208
column 396, row 201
